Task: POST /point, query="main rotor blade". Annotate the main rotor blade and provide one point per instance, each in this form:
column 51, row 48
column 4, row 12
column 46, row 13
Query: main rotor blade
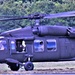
column 20, row 18
column 11, row 18
column 58, row 16
column 39, row 16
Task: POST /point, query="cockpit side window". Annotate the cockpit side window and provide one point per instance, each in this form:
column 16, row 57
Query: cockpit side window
column 38, row 45
column 51, row 45
column 13, row 45
column 3, row 45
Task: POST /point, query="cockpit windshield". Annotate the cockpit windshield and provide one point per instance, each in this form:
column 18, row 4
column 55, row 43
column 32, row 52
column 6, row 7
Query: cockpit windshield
column 3, row 45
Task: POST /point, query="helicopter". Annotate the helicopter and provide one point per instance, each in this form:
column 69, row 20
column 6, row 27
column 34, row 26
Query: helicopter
column 38, row 43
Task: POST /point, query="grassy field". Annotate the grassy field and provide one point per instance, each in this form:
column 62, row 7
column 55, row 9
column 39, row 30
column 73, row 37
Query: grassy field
column 46, row 65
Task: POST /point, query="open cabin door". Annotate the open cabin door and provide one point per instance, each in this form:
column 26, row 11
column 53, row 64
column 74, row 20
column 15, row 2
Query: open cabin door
column 21, row 45
column 17, row 46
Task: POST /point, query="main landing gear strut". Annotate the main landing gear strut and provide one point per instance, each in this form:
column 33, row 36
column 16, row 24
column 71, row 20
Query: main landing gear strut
column 29, row 65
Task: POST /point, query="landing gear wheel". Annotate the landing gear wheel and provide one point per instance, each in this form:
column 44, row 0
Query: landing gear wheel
column 14, row 66
column 29, row 66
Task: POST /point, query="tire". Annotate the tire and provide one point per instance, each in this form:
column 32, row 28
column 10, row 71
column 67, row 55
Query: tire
column 29, row 66
column 14, row 66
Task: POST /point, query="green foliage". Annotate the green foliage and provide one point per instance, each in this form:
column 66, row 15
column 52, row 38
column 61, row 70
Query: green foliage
column 25, row 7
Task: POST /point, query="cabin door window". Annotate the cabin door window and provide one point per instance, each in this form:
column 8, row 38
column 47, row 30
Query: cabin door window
column 38, row 45
column 51, row 45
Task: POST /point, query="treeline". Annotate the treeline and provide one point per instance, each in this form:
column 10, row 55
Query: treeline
column 26, row 7
column 60, row 1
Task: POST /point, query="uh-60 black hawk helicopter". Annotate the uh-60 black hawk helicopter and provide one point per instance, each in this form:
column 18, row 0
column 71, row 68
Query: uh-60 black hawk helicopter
column 38, row 43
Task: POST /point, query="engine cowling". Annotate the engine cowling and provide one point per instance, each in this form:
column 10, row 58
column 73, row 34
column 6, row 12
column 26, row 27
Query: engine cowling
column 51, row 30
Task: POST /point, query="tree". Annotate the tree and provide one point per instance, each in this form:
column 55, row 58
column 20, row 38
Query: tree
column 19, row 8
column 60, row 1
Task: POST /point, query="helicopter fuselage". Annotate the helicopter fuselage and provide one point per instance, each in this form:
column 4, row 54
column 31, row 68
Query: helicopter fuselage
column 38, row 48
